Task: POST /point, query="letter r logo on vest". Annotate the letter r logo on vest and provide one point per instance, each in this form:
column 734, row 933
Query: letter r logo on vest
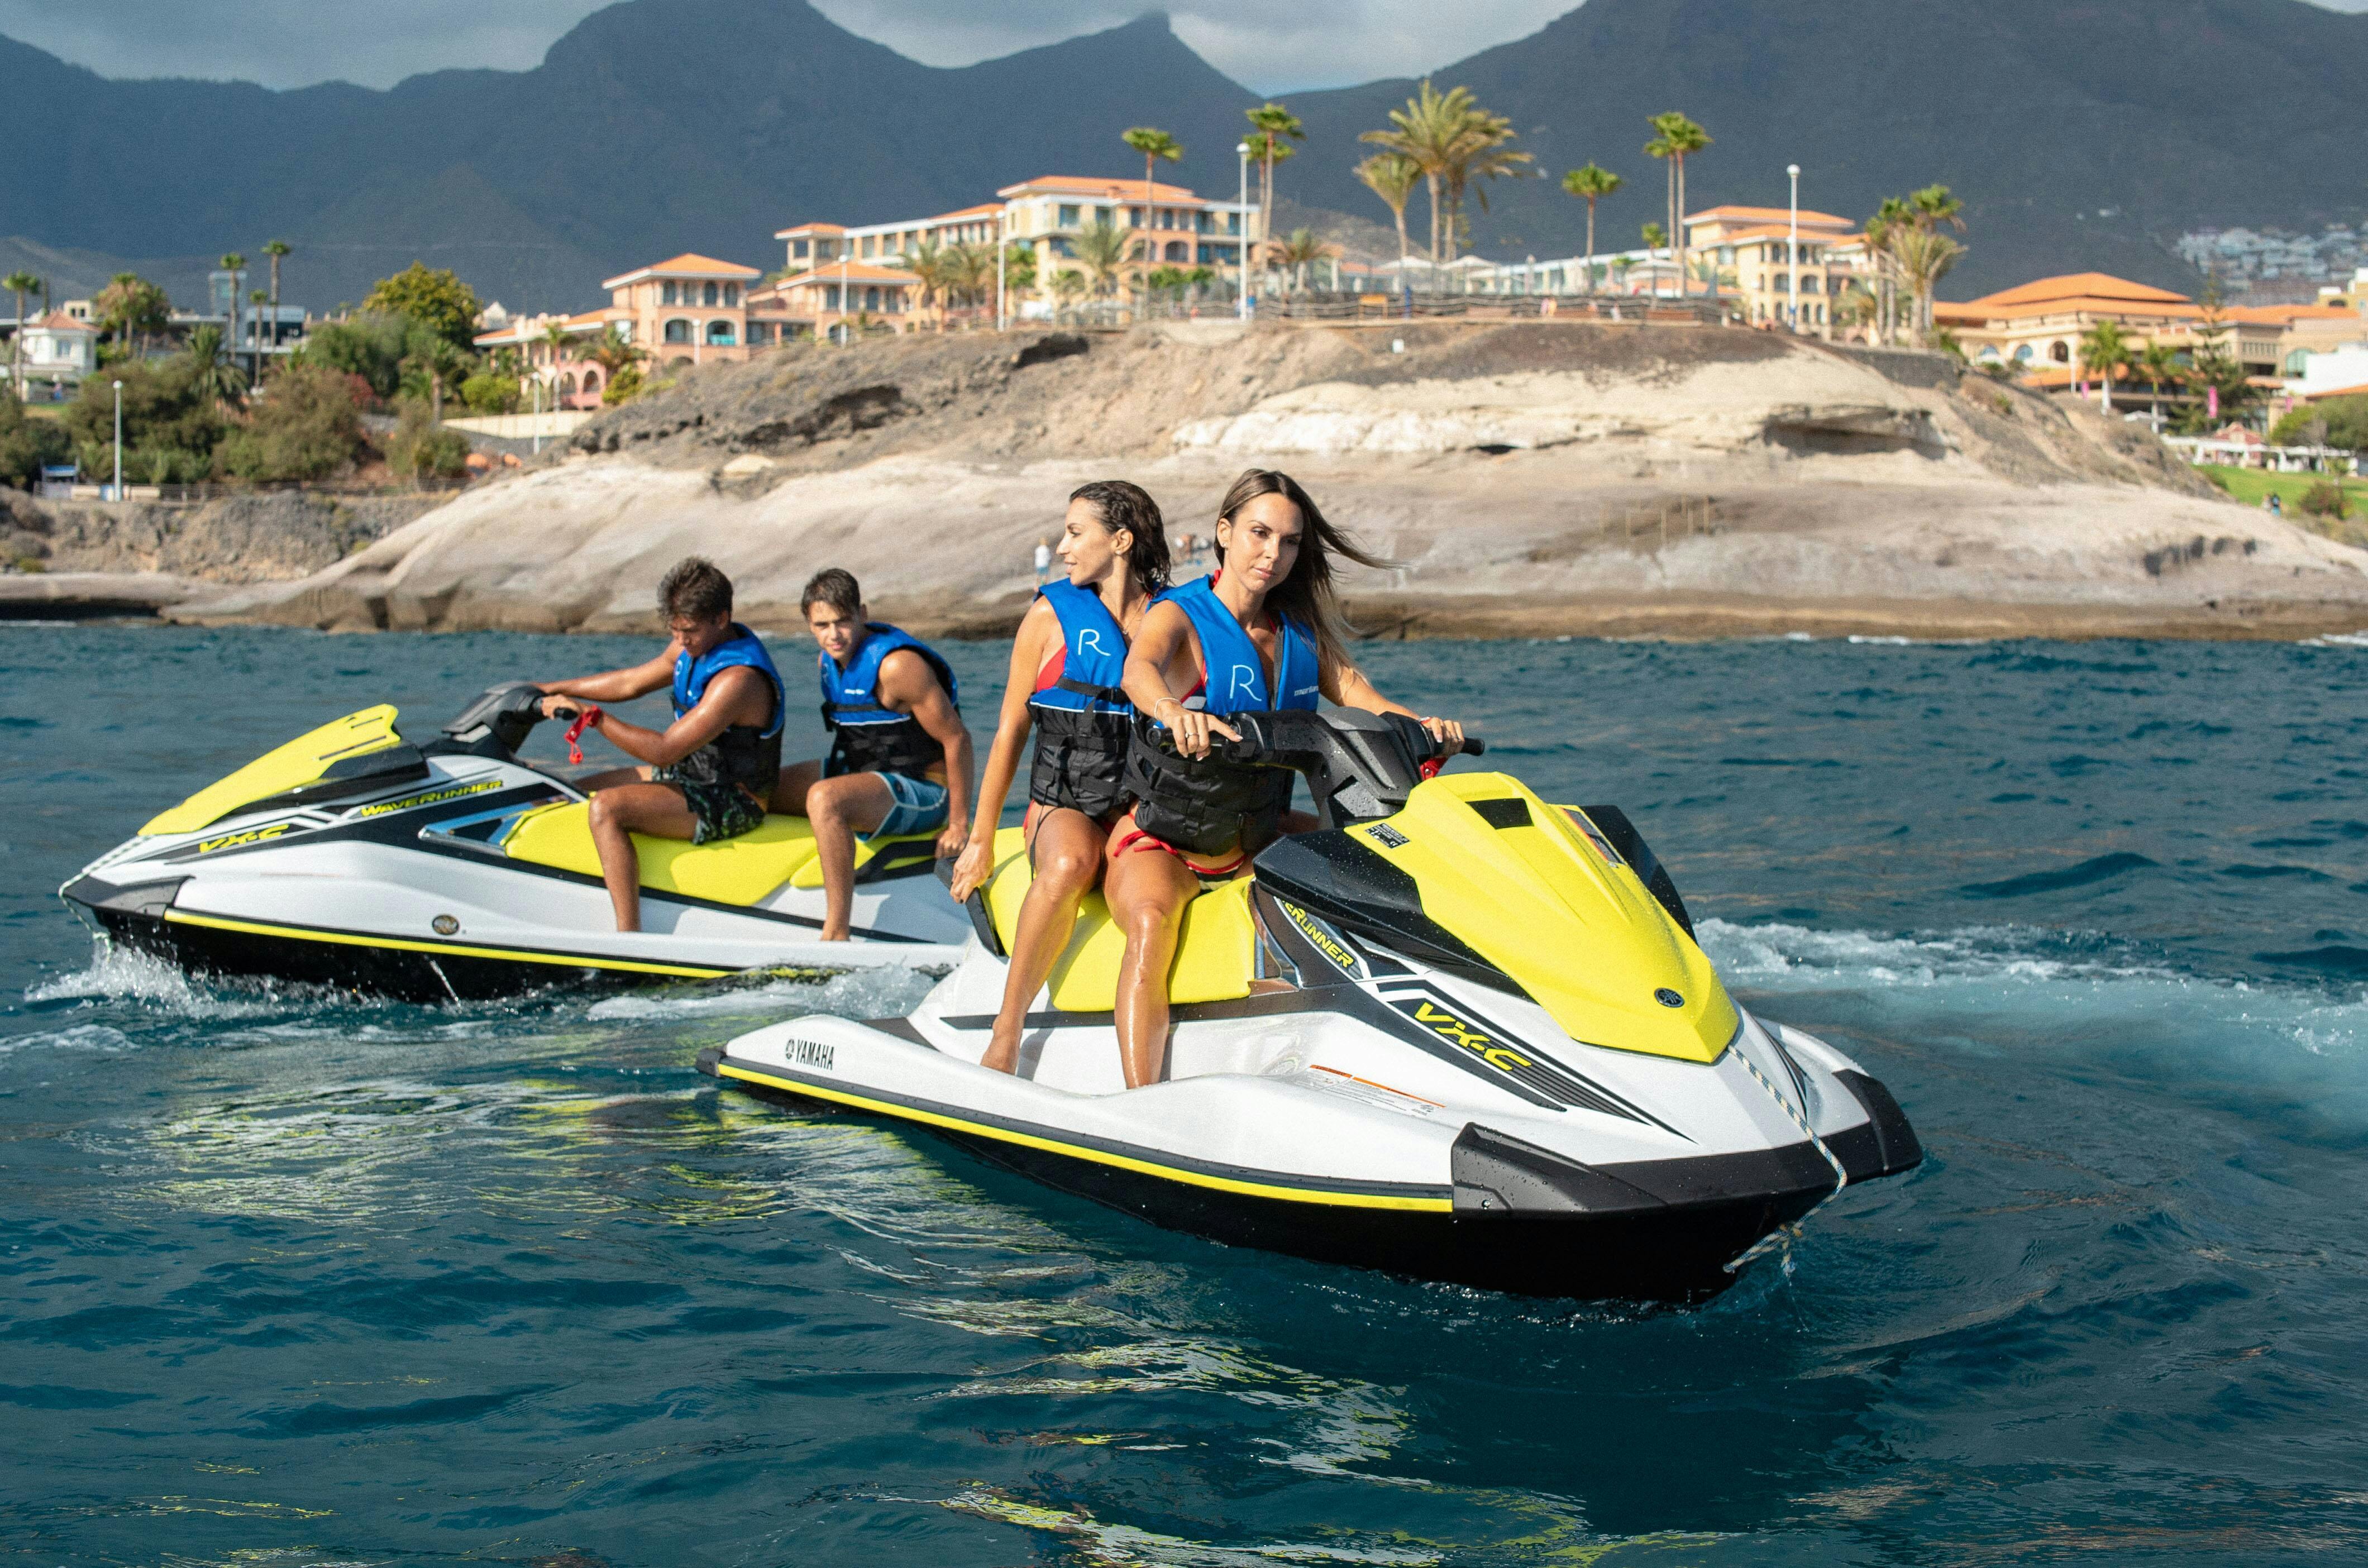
column 1090, row 638
column 1244, row 682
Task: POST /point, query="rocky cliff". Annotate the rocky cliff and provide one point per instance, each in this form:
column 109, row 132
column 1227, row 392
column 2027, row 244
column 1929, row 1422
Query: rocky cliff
column 1532, row 477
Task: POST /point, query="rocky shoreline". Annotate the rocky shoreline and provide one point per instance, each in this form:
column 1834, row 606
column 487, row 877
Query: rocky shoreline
column 1533, row 479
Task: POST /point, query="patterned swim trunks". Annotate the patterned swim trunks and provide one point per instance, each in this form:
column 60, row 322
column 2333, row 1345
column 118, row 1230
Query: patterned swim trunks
column 721, row 810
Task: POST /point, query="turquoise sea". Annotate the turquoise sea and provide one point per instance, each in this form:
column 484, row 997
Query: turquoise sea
column 287, row 1280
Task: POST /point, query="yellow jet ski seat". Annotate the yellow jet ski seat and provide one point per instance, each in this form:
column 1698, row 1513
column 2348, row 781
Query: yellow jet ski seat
column 1214, row 954
column 732, row 870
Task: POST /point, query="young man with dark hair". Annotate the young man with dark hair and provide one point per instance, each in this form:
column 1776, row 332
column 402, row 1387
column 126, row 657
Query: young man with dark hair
column 708, row 775
column 900, row 759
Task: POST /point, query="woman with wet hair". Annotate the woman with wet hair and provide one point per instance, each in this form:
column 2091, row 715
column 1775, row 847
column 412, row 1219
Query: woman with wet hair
column 1260, row 634
column 1067, row 662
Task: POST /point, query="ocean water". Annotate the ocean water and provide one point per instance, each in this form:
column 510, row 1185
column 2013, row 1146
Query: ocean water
column 289, row 1280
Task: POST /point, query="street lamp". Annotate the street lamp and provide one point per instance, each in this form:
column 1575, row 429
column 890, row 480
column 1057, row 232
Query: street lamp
column 1793, row 244
column 1002, row 243
column 119, row 441
column 1242, row 249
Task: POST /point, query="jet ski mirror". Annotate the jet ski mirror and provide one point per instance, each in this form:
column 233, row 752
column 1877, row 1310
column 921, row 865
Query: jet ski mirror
column 497, row 724
column 1359, row 767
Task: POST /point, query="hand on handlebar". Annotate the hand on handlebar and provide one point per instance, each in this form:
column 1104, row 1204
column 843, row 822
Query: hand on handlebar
column 556, row 707
column 971, row 869
column 1447, row 733
column 1192, row 731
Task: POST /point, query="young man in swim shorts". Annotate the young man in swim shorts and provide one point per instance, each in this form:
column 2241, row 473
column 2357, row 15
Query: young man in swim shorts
column 708, row 775
column 900, row 759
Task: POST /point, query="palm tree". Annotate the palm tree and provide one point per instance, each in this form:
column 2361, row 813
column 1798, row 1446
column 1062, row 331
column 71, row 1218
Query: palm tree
column 971, row 269
column 1067, row 284
column 1154, row 145
column 1923, row 258
column 21, row 283
column 553, row 338
column 1678, row 137
column 235, row 264
column 1426, row 131
column 1593, row 182
column 1272, row 126
column 259, row 298
column 1390, row 177
column 275, row 249
column 1892, row 215
column 2160, row 363
column 2104, row 347
column 1297, row 251
column 1103, row 249
column 1661, row 147
column 217, row 378
column 1477, row 151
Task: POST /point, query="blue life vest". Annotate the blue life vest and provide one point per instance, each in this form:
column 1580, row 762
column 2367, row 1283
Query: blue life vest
column 1236, row 680
column 744, row 754
column 1205, row 805
column 869, row 738
column 1082, row 719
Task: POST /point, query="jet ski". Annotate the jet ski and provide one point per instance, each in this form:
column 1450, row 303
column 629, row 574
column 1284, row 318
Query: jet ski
column 455, row 869
column 1458, row 1032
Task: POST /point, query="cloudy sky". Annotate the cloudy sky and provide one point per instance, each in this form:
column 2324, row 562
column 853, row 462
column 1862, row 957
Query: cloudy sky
column 293, row 43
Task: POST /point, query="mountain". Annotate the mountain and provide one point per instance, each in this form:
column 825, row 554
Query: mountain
column 653, row 128
column 2082, row 134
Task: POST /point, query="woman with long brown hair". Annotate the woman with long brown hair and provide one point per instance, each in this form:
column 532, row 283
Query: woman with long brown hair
column 1262, row 632
column 1067, row 662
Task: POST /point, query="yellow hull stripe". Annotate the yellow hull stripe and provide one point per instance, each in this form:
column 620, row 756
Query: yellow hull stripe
column 453, row 949
column 1101, row 1157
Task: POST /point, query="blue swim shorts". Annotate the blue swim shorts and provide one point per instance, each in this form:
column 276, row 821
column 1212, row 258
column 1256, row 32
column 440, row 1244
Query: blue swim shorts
column 920, row 807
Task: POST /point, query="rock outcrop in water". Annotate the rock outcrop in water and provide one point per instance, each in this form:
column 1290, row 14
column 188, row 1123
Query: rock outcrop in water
column 1533, row 477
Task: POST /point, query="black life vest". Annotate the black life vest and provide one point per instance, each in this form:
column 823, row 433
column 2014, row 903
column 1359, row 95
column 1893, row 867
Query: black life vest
column 869, row 738
column 1083, row 719
column 1203, row 805
column 746, row 756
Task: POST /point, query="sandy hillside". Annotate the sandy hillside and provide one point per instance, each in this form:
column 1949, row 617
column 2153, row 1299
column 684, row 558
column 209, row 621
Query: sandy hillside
column 1531, row 478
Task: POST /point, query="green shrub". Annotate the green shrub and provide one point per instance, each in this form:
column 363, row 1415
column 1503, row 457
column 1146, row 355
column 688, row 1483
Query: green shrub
column 489, row 391
column 165, row 410
column 307, row 424
column 26, row 443
column 622, row 387
column 2325, row 498
column 419, row 448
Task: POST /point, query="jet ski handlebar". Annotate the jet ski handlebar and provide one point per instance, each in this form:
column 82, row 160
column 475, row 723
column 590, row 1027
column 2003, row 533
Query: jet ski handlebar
column 503, row 717
column 1359, row 766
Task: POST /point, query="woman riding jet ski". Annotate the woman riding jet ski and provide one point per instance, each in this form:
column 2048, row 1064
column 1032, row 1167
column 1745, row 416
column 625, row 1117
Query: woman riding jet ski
column 453, row 869
column 1451, row 1031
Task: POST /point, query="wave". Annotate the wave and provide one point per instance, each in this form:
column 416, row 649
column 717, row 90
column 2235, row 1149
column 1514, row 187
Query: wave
column 886, row 992
column 120, row 975
column 2096, row 868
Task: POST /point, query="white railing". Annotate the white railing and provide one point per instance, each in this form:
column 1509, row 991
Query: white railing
column 2203, row 450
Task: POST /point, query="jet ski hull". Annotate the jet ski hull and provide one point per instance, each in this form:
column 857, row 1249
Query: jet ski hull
column 455, row 871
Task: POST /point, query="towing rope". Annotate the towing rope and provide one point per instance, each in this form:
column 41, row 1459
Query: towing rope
column 1786, row 1236
column 586, row 718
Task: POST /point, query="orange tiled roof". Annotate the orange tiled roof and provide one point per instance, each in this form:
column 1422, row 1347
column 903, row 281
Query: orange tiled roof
column 1733, row 213
column 847, row 272
column 1775, row 232
column 688, row 265
column 810, row 229
column 1111, row 190
column 58, row 321
column 2072, row 286
column 2360, row 391
column 2279, row 315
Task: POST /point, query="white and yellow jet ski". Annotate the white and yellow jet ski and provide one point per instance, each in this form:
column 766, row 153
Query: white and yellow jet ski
column 451, row 870
column 1458, row 1033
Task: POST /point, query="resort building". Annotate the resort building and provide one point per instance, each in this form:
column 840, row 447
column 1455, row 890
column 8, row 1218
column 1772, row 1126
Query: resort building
column 1787, row 268
column 1047, row 215
column 57, row 349
column 685, row 311
column 567, row 375
column 835, row 299
column 2037, row 326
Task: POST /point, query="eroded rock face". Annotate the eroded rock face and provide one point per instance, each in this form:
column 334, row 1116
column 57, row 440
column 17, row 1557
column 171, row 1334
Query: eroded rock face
column 1520, row 473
